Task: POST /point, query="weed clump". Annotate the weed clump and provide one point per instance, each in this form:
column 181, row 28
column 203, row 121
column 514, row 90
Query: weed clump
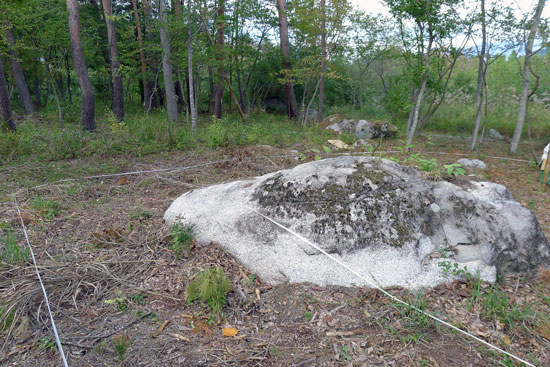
column 10, row 252
column 182, row 239
column 121, row 343
column 210, row 286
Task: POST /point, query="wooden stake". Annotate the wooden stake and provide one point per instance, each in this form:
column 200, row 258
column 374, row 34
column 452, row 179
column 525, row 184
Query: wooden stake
column 546, row 167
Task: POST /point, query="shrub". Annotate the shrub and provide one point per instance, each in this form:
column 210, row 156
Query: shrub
column 182, row 239
column 210, row 286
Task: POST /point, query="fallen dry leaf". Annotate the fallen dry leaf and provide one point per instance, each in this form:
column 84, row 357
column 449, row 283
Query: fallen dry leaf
column 229, row 331
column 161, row 328
column 182, row 338
column 202, row 328
column 506, row 340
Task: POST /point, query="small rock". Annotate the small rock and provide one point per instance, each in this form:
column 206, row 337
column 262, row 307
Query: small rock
column 374, row 129
column 472, row 163
column 339, row 144
column 493, row 134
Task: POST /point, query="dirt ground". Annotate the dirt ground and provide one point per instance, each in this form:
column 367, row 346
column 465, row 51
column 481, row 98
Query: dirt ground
column 114, row 283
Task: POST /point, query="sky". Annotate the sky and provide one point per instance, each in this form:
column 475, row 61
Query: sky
column 377, row 6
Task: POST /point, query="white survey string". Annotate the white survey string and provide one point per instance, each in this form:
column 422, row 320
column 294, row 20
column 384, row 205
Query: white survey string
column 57, row 340
column 391, row 296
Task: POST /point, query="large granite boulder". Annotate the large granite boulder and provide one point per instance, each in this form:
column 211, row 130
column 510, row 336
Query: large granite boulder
column 362, row 129
column 379, row 217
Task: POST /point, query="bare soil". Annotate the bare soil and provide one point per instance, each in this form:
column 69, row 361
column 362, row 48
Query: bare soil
column 105, row 258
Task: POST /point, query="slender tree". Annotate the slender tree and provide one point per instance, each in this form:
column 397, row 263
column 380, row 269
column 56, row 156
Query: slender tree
column 87, row 90
column 221, row 72
column 146, row 90
column 323, row 62
column 170, row 90
column 191, row 93
column 523, row 99
column 19, row 76
column 117, row 93
column 481, row 80
column 290, row 98
column 5, row 108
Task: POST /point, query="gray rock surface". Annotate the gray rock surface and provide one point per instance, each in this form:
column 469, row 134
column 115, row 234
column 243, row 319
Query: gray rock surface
column 493, row 134
column 378, row 217
column 472, row 163
column 373, row 130
column 362, row 129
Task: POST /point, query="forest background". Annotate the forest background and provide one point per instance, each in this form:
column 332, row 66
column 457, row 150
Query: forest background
column 109, row 77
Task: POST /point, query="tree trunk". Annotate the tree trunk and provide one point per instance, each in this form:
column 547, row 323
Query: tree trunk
column 290, row 98
column 155, row 99
column 480, row 77
column 18, row 75
column 117, row 95
column 88, row 100
column 221, row 73
column 413, row 117
column 211, row 89
column 5, row 108
column 146, row 85
column 68, row 68
column 171, row 102
column 191, row 91
column 323, row 63
column 523, row 100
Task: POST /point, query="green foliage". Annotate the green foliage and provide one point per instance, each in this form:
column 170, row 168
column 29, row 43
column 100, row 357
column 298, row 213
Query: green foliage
column 498, row 306
column 48, row 208
column 10, row 252
column 308, row 316
column 121, row 343
column 414, row 312
column 6, row 317
column 47, row 343
column 345, row 353
column 210, row 286
column 182, row 239
column 454, row 169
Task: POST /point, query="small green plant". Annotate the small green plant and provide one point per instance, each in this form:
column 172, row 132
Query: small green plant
column 47, row 343
column 308, row 316
column 10, row 252
column 210, row 286
column 182, row 239
column 454, row 169
column 6, row 318
column 427, row 165
column 141, row 215
column 497, row 305
column 48, row 208
column 120, row 302
column 121, row 343
column 345, row 353
column 414, row 311
column 140, row 299
column 99, row 347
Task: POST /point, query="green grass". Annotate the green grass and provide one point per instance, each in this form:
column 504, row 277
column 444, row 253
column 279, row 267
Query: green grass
column 10, row 252
column 48, row 208
column 141, row 135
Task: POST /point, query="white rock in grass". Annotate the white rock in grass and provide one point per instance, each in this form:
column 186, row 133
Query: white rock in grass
column 472, row 163
column 380, row 218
